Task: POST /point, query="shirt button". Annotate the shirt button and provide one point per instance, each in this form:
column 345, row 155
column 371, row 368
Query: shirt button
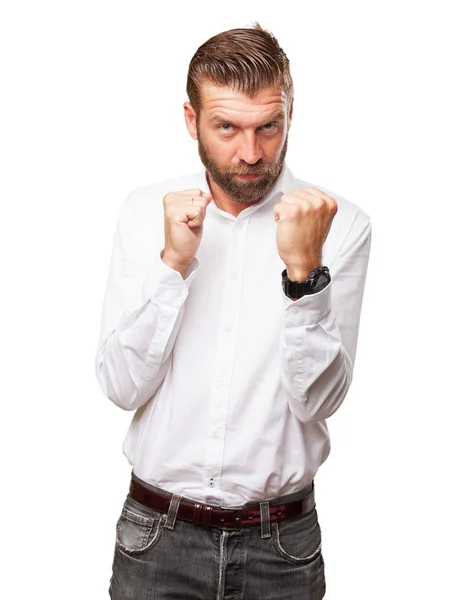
column 216, row 434
column 228, row 329
column 295, row 310
column 222, row 383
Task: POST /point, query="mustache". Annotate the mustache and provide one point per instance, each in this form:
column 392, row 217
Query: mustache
column 251, row 170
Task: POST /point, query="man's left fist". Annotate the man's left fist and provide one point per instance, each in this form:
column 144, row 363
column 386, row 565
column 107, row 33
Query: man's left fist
column 304, row 218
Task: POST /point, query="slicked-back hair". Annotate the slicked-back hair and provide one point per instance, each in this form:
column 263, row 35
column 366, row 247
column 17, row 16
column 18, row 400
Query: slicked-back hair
column 246, row 60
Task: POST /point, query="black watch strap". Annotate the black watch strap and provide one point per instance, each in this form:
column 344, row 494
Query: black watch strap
column 316, row 281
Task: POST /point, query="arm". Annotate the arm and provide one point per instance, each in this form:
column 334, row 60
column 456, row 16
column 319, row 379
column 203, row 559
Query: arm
column 320, row 332
column 141, row 315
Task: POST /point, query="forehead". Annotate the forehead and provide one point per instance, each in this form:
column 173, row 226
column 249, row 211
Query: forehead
column 231, row 104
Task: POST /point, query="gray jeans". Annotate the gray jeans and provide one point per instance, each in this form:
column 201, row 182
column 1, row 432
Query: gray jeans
column 195, row 562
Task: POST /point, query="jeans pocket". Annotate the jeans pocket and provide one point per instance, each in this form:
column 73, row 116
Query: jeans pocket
column 298, row 540
column 139, row 528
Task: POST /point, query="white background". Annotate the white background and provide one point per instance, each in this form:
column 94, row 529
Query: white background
column 91, row 107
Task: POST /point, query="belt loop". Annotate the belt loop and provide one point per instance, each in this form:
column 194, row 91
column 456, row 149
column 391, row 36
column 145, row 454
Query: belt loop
column 196, row 513
column 172, row 512
column 206, row 515
column 265, row 517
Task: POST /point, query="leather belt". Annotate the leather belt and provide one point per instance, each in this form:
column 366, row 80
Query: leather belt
column 216, row 516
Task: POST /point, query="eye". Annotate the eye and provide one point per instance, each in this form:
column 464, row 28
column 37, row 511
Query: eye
column 225, row 127
column 270, row 127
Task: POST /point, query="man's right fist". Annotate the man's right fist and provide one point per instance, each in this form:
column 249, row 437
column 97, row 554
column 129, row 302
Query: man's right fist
column 184, row 213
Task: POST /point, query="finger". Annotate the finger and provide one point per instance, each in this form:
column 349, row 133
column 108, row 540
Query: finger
column 298, row 194
column 207, row 196
column 289, row 208
column 318, row 192
column 318, row 200
column 289, row 198
column 196, row 192
column 201, row 200
column 191, row 192
column 312, row 197
column 277, row 211
column 196, row 210
column 193, row 215
column 298, row 200
column 331, row 202
column 195, row 218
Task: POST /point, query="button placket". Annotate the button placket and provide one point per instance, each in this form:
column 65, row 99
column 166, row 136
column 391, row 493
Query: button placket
column 226, row 343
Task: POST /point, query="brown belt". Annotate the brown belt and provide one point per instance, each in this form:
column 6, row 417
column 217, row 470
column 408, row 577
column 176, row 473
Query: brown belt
column 215, row 516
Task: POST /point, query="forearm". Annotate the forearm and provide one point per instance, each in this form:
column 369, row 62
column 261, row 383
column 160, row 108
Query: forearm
column 133, row 361
column 320, row 332
column 142, row 309
column 135, row 345
column 316, row 370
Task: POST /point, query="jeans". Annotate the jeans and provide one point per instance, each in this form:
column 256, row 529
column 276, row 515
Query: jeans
column 279, row 560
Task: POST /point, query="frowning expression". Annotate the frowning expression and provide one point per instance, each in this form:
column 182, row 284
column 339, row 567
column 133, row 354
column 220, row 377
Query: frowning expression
column 242, row 141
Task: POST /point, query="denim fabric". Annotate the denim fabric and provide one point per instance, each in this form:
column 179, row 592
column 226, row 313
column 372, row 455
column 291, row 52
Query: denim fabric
column 272, row 561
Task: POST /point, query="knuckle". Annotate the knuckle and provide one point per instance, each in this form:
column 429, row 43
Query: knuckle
column 168, row 197
column 295, row 209
column 321, row 203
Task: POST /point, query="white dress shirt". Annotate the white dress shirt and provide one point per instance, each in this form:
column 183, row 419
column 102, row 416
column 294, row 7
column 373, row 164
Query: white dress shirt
column 232, row 380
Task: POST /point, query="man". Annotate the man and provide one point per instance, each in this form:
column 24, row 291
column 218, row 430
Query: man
column 230, row 324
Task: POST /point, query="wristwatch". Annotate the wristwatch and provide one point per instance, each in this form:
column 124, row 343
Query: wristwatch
column 316, row 281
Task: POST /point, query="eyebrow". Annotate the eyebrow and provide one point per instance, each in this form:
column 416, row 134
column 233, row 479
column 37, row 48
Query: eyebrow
column 277, row 116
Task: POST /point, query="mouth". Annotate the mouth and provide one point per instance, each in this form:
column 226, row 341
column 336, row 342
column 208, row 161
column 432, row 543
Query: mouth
column 247, row 177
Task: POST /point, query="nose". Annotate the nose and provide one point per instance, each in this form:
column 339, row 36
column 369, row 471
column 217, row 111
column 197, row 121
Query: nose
column 250, row 151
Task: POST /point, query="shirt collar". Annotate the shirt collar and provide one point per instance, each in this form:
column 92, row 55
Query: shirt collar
column 283, row 185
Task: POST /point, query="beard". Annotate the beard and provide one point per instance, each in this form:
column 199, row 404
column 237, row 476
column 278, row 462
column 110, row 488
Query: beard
column 247, row 192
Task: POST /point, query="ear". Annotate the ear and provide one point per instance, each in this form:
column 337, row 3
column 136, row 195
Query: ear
column 291, row 109
column 191, row 120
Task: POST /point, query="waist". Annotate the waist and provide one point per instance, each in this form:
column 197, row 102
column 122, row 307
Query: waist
column 193, row 466
column 250, row 513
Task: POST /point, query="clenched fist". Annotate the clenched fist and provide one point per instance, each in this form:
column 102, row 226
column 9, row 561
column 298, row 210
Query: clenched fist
column 184, row 213
column 304, row 218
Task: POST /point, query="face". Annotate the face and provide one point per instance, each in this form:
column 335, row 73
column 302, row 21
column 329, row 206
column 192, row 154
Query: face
column 241, row 141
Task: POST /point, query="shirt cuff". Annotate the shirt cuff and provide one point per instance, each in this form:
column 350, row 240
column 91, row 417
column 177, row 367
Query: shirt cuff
column 167, row 285
column 309, row 309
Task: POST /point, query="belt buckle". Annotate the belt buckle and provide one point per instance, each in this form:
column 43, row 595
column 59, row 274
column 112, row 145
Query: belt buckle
column 238, row 519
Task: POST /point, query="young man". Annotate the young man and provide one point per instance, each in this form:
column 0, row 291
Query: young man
column 230, row 325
